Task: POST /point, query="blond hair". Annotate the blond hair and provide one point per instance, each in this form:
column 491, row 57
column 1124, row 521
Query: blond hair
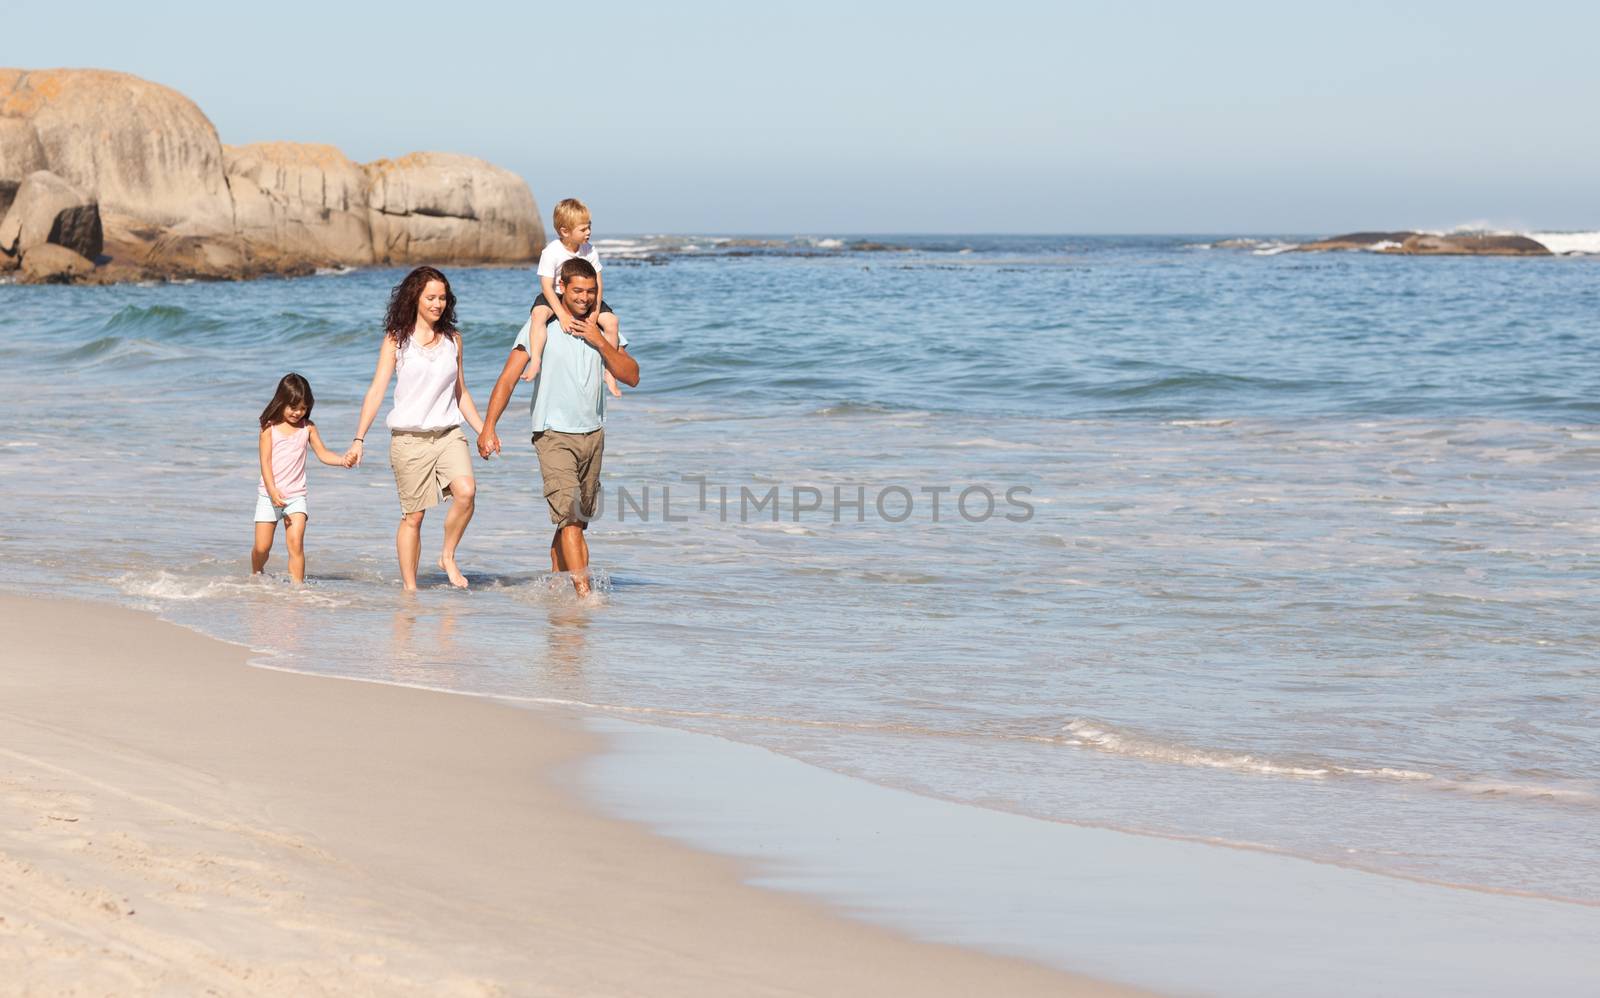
column 570, row 213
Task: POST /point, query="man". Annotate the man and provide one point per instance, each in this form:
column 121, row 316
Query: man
column 569, row 414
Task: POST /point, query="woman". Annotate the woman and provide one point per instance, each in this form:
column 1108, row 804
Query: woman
column 427, row 449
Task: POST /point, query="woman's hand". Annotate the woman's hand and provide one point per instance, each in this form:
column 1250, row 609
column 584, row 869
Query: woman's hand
column 352, row 457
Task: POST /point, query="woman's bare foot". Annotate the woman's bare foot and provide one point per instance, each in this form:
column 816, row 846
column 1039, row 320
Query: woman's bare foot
column 449, row 565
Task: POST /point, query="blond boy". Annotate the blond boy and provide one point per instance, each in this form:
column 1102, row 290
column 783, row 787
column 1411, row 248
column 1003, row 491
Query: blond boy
column 572, row 224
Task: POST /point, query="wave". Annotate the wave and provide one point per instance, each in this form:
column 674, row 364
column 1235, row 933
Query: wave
column 169, row 587
column 117, row 349
column 159, row 322
column 1576, row 243
column 1108, row 738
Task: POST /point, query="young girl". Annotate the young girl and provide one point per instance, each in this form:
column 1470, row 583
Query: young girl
column 286, row 430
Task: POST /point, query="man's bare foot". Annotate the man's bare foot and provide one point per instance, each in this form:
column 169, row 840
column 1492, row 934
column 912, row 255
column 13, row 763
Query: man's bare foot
column 456, row 578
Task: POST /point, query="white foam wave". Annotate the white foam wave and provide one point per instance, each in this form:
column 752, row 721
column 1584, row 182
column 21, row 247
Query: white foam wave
column 1273, row 249
column 173, row 587
column 1568, row 242
column 1106, row 738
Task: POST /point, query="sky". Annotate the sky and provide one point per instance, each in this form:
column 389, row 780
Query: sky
column 839, row 118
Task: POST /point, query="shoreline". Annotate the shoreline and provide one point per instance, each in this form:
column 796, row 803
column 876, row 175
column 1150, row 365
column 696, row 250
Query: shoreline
column 176, row 822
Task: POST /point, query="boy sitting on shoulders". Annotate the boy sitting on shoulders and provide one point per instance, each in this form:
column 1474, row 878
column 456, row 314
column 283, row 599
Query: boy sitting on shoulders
column 572, row 226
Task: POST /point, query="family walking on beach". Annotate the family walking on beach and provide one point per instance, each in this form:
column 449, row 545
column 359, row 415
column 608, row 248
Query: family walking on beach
column 570, row 347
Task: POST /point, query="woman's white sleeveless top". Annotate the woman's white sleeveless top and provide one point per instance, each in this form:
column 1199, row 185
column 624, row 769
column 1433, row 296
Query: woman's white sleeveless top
column 425, row 389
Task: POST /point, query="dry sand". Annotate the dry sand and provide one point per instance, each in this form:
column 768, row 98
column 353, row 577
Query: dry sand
column 174, row 822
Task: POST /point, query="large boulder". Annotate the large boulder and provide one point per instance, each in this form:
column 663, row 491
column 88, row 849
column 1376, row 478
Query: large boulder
column 1472, row 244
column 136, row 147
column 1428, row 244
column 47, row 209
column 1357, row 241
column 300, row 200
column 171, row 201
column 20, row 155
column 48, row 263
column 443, row 207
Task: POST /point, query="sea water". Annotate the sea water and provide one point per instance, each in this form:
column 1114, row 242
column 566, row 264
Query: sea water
column 1288, row 551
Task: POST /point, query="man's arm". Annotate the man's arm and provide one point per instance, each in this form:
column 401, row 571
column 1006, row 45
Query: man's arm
column 617, row 360
column 488, row 440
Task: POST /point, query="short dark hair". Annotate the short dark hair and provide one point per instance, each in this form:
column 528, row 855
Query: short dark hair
column 578, row 267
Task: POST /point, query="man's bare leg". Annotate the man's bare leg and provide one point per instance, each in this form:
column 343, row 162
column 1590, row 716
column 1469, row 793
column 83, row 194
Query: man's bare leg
column 575, row 556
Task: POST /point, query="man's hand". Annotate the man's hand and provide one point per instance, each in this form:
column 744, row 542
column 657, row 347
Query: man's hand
column 587, row 329
column 488, row 443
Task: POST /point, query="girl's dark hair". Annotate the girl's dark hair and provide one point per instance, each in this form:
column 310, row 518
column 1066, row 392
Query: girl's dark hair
column 402, row 317
column 292, row 390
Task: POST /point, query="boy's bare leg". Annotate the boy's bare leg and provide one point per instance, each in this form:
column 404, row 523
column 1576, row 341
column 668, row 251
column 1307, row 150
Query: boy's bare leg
column 294, row 535
column 610, row 328
column 261, row 550
column 542, row 314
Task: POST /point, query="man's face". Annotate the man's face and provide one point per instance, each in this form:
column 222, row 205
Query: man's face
column 578, row 293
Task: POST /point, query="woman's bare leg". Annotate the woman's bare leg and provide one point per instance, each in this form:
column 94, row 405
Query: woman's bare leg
column 463, row 500
column 408, row 545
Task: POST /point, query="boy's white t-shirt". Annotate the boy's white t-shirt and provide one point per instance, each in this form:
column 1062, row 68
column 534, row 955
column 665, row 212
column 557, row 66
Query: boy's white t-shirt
column 556, row 254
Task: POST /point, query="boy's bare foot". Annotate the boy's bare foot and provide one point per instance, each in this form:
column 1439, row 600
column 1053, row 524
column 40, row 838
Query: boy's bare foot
column 456, row 578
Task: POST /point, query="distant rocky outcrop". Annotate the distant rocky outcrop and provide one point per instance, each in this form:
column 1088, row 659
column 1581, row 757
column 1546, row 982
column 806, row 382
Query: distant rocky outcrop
column 139, row 184
column 1431, row 244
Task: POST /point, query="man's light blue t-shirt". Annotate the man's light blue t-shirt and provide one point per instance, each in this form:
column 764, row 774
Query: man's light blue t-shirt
column 569, row 393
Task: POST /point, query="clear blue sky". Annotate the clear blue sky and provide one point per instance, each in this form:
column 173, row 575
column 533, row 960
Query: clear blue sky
column 829, row 117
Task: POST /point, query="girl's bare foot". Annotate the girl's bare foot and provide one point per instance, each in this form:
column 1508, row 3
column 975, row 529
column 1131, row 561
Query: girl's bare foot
column 449, row 565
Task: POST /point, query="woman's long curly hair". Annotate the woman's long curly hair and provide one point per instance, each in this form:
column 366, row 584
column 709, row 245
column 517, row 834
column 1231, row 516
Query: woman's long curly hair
column 402, row 317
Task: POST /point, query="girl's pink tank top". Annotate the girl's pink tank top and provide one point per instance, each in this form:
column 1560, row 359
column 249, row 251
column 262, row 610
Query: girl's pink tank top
column 288, row 463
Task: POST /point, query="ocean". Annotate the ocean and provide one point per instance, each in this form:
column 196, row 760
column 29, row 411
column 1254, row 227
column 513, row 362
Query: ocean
column 1286, row 551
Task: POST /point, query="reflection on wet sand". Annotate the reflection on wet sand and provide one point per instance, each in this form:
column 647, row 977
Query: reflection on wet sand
column 422, row 647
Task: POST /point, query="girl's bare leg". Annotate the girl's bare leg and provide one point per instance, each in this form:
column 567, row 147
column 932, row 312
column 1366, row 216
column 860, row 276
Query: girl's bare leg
column 294, row 535
column 463, row 500
column 262, row 549
column 408, row 545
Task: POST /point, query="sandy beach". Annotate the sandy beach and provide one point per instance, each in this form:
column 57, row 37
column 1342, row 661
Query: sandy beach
column 174, row 821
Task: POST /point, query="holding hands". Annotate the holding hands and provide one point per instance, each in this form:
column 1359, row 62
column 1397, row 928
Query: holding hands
column 488, row 443
column 352, row 457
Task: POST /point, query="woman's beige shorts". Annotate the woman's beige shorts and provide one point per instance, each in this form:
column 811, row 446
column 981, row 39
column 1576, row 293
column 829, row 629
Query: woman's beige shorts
column 425, row 463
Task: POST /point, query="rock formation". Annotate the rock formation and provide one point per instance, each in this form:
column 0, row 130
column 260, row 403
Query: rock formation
column 155, row 194
column 1429, row 244
column 47, row 209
